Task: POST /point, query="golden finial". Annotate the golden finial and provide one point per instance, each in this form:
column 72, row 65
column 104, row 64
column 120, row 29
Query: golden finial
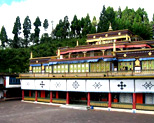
column 77, row 43
column 110, row 27
column 58, row 54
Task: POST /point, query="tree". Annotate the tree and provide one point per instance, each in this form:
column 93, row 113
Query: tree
column 87, row 26
column 66, row 25
column 94, row 25
column 26, row 30
column 45, row 24
column 74, row 25
column 3, row 37
column 16, row 32
column 103, row 22
column 37, row 24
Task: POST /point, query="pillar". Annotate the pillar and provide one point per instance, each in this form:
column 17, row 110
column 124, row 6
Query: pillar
column 36, row 96
column 84, row 54
column 103, row 52
column 57, row 96
column 4, row 81
column 50, row 96
column 134, row 102
column 67, row 98
column 22, row 94
column 69, row 55
column 109, row 100
column 88, row 100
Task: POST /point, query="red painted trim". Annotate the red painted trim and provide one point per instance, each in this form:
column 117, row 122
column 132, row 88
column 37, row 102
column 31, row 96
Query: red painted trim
column 104, row 48
column 36, row 96
column 67, row 98
column 50, row 96
column 57, row 96
column 22, row 94
column 30, row 93
column 134, row 101
column 110, row 100
column 88, row 101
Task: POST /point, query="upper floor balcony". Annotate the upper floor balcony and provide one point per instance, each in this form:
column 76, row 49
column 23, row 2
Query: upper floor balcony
column 109, row 74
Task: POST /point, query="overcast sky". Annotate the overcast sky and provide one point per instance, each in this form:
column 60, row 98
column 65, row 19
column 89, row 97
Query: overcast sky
column 58, row 9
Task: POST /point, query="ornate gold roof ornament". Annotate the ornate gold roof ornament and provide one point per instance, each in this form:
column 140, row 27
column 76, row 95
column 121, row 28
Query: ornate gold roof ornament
column 137, row 63
column 149, row 53
column 110, row 27
column 125, row 55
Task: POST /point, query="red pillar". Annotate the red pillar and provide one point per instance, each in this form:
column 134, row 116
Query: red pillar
column 57, row 95
column 50, row 96
column 134, row 100
column 109, row 100
column 88, row 101
column 4, row 81
column 22, row 94
column 67, row 98
column 36, row 96
column 30, row 93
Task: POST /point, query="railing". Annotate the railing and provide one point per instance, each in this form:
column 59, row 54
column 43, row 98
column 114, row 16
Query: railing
column 91, row 74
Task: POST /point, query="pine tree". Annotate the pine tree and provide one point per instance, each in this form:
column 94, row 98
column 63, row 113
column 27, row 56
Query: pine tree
column 3, row 37
column 37, row 24
column 45, row 24
column 26, row 30
column 16, row 32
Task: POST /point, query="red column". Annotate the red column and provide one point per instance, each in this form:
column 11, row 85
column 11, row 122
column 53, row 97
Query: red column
column 67, row 98
column 30, row 93
column 134, row 100
column 22, row 94
column 88, row 101
column 4, row 81
column 57, row 95
column 109, row 100
column 50, row 96
column 36, row 96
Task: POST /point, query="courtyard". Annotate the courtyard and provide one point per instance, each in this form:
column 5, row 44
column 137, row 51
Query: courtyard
column 22, row 112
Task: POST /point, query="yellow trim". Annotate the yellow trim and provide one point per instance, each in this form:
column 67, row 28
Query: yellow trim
column 115, row 77
column 122, row 106
column 99, row 104
column 29, row 98
column 145, row 107
column 43, row 100
column 107, row 38
column 59, row 101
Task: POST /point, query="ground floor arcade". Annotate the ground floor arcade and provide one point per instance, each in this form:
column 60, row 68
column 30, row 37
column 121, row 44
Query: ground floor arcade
column 141, row 101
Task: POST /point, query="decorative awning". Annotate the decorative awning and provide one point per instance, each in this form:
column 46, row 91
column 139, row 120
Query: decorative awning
column 35, row 65
column 132, row 59
column 144, row 59
column 82, row 61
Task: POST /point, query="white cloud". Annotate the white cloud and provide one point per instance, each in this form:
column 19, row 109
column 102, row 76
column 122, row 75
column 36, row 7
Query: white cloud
column 57, row 9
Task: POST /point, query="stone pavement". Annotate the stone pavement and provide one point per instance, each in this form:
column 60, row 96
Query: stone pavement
column 22, row 112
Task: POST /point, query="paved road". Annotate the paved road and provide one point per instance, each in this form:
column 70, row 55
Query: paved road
column 22, row 112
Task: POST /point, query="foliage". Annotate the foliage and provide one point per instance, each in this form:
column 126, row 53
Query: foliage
column 3, row 37
column 15, row 58
column 16, row 31
column 26, row 30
